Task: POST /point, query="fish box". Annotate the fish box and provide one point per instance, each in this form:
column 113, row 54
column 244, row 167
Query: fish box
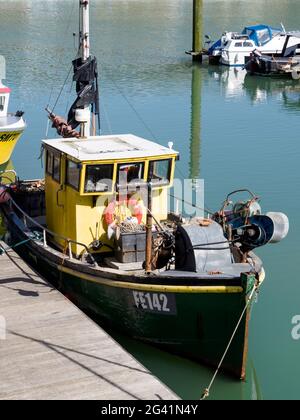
column 131, row 247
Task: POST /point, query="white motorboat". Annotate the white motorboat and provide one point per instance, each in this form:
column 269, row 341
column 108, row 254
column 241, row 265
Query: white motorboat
column 234, row 49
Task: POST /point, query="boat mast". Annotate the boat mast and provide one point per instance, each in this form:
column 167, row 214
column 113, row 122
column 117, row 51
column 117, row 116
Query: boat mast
column 87, row 89
column 84, row 49
column 84, row 30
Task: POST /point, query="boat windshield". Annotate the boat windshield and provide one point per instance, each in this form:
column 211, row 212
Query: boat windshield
column 263, row 36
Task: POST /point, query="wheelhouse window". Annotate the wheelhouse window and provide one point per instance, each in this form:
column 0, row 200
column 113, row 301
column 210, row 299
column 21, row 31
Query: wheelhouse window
column 2, row 103
column 130, row 173
column 49, row 163
column 56, row 168
column 238, row 44
column 73, row 174
column 98, row 178
column 160, row 172
column 53, row 165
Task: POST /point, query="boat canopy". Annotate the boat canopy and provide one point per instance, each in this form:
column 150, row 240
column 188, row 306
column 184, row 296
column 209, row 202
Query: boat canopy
column 260, row 34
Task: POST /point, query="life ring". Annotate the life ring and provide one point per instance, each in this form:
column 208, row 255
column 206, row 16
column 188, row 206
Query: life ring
column 133, row 205
column 136, row 209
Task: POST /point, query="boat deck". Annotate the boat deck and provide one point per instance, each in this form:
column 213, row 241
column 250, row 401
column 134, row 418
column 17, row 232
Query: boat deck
column 49, row 349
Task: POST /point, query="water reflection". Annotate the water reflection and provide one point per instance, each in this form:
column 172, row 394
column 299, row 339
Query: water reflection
column 195, row 139
column 285, row 90
column 188, row 379
column 291, row 99
column 235, row 83
column 230, row 79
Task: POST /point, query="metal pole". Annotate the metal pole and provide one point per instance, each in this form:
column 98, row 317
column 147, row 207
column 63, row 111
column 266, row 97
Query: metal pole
column 94, row 124
column 80, row 40
column 197, row 30
column 70, row 250
column 85, row 9
column 149, row 222
column 84, row 39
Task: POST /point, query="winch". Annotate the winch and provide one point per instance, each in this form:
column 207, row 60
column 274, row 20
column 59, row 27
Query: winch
column 245, row 224
column 238, row 226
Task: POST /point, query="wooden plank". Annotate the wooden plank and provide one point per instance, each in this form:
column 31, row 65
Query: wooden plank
column 51, row 350
column 113, row 263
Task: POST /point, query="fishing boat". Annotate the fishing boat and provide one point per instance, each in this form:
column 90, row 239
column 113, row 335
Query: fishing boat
column 286, row 64
column 234, row 48
column 11, row 126
column 100, row 228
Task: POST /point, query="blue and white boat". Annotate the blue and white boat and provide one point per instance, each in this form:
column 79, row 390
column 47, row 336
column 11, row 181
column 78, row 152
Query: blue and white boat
column 234, row 49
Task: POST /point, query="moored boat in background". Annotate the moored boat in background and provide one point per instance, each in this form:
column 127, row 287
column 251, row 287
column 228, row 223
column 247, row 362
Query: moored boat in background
column 234, row 49
column 11, row 126
column 286, row 64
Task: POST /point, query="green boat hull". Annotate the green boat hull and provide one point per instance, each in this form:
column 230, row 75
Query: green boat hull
column 197, row 325
column 195, row 322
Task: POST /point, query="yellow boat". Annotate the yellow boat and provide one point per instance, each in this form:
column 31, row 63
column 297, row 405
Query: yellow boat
column 11, row 126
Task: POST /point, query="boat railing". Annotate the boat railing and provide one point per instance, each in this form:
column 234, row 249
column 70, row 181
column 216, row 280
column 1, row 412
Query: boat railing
column 69, row 242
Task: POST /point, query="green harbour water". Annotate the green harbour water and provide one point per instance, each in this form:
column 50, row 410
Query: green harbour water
column 231, row 130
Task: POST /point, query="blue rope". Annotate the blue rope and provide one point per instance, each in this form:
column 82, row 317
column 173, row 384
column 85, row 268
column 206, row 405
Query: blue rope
column 2, row 250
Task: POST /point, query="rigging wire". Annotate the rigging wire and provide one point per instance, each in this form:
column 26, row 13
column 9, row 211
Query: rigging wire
column 201, row 246
column 68, row 101
column 106, row 116
column 192, row 205
column 180, row 171
column 62, row 88
column 131, row 106
column 60, row 55
column 205, row 209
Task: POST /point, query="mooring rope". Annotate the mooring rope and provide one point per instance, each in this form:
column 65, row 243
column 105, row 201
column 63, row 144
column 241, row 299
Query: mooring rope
column 3, row 249
column 207, row 390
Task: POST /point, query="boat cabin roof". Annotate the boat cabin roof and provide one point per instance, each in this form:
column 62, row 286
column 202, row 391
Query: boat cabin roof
column 113, row 147
column 260, row 34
